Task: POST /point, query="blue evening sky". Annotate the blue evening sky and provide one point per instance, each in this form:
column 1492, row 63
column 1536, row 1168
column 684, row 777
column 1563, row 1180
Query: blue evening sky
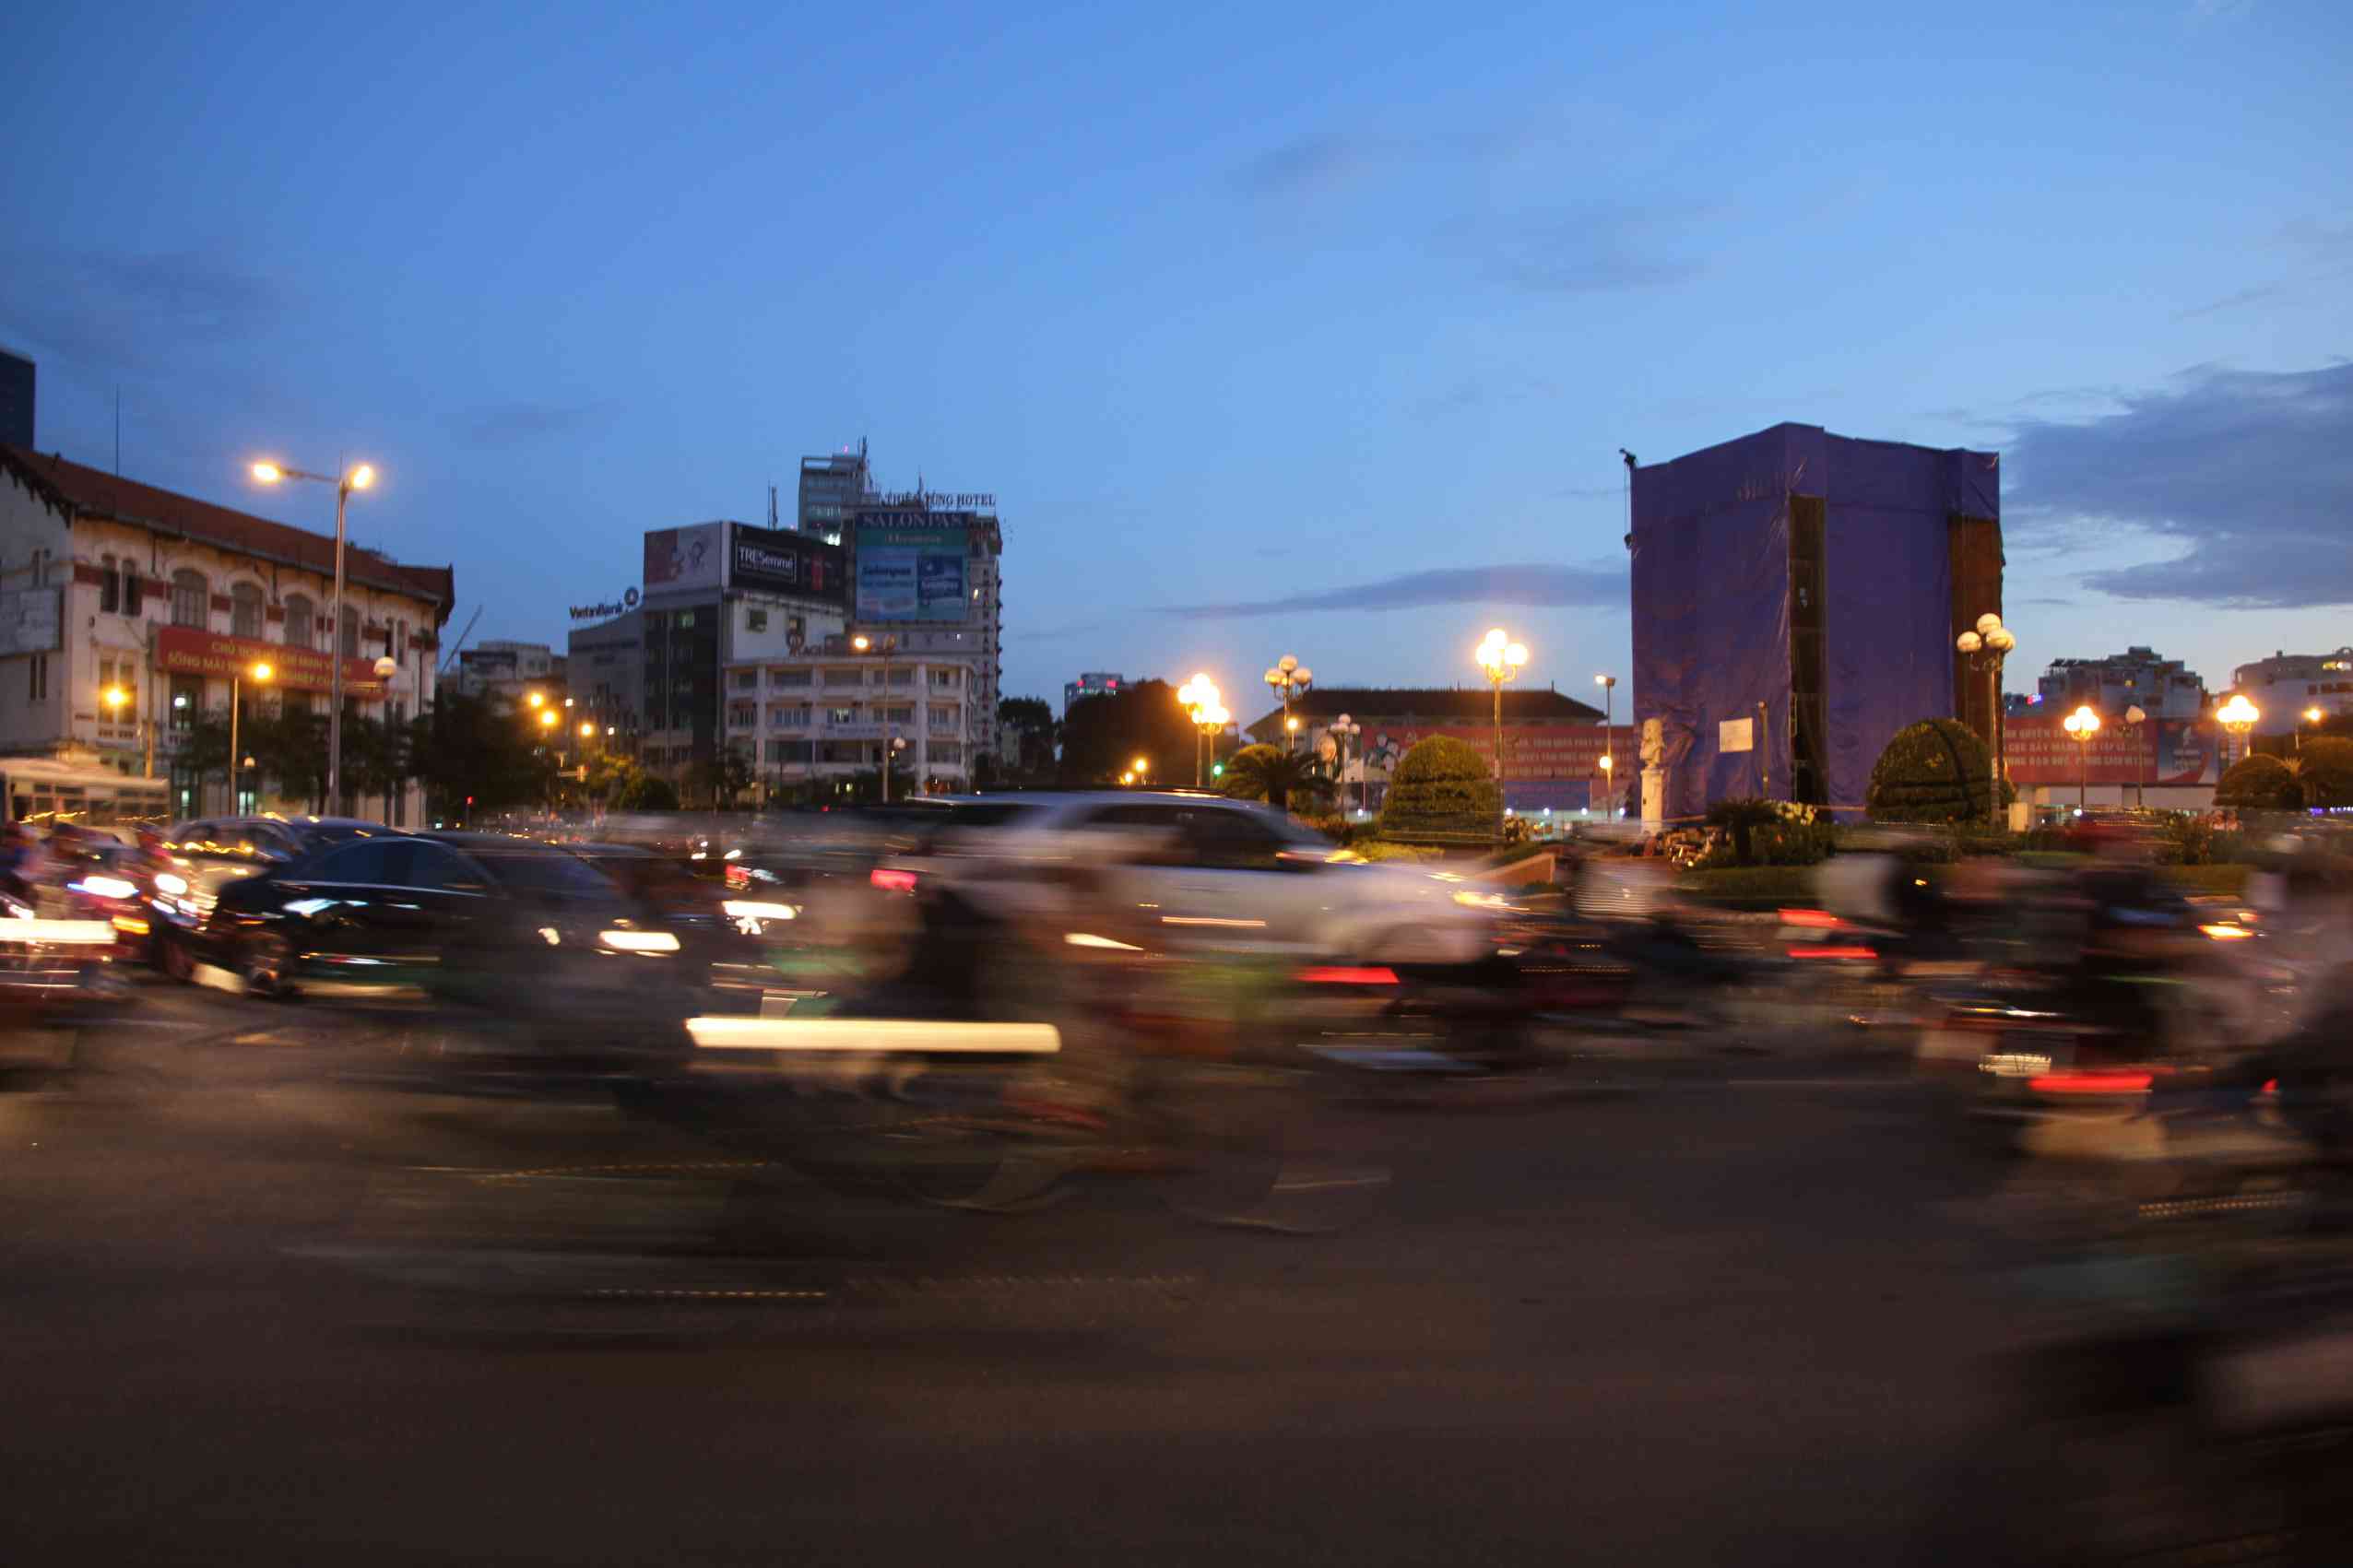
column 1273, row 329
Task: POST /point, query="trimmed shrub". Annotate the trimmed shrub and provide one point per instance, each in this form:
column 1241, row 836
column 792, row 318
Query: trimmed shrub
column 1442, row 790
column 2258, row 782
column 1935, row 770
column 2325, row 770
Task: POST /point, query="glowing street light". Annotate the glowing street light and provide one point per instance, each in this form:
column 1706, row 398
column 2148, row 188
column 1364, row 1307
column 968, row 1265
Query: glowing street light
column 1987, row 647
column 547, row 719
column 2239, row 716
column 2081, row 725
column 536, row 698
column 1141, row 767
column 1500, row 660
column 259, row 674
column 2312, row 716
column 1202, row 704
column 1608, row 683
column 1342, row 730
column 358, row 478
column 1287, row 679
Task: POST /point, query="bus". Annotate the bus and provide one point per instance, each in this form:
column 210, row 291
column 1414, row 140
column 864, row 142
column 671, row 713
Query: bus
column 41, row 792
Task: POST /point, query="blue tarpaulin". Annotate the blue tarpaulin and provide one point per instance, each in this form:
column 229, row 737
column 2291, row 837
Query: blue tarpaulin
column 1711, row 589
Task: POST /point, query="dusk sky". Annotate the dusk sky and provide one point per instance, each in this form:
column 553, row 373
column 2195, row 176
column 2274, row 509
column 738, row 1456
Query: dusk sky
column 1272, row 331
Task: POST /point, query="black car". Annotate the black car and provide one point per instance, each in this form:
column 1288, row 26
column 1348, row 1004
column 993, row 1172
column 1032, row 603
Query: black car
column 507, row 929
column 208, row 853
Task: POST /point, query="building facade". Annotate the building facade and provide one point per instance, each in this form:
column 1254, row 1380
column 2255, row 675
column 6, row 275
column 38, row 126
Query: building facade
column 605, row 664
column 832, row 489
column 825, row 714
column 2138, row 678
column 2285, row 686
column 1092, row 683
column 505, row 670
column 127, row 612
column 1553, row 744
column 928, row 578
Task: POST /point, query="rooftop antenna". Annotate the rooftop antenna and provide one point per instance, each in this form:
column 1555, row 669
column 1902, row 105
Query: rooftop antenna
column 118, row 432
column 772, row 504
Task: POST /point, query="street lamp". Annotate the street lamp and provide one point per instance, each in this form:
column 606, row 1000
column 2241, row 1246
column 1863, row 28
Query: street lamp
column 536, row 698
column 260, row 674
column 1609, row 795
column 1986, row 647
column 1142, row 768
column 2312, row 716
column 358, row 478
column 2082, row 725
column 1343, row 729
column 887, row 646
column 1287, row 679
column 2137, row 716
column 1206, row 708
column 2239, row 715
column 1608, row 683
column 1499, row 659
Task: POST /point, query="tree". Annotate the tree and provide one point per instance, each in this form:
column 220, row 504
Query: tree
column 2260, row 783
column 647, row 793
column 1104, row 735
column 2324, row 771
column 1441, row 789
column 1744, row 816
column 1033, row 720
column 466, row 745
column 1276, row 776
column 1935, row 770
column 722, row 776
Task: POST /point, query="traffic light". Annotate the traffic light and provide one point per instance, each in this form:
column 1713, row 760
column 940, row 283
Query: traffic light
column 1217, row 769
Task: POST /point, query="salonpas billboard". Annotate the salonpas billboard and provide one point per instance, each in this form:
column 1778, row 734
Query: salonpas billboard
column 914, row 573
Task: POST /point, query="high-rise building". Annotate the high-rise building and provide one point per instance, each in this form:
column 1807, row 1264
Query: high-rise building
column 18, row 385
column 833, row 487
column 928, row 575
column 1094, row 683
column 2138, row 678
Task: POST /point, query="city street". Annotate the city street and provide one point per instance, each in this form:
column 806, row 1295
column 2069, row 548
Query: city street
column 1736, row 1315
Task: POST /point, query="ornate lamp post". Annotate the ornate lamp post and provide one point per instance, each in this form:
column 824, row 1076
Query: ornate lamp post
column 1287, row 679
column 1500, row 660
column 1987, row 647
column 1344, row 729
column 1203, row 705
column 1608, row 683
column 2239, row 716
column 2081, row 725
column 2137, row 716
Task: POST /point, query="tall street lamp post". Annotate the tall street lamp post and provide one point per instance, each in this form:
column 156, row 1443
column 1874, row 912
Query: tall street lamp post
column 1986, row 647
column 2239, row 716
column 1500, row 660
column 356, row 478
column 2081, row 725
column 1608, row 683
column 2137, row 718
column 1203, row 705
column 1289, row 678
column 890, row 743
column 260, row 675
column 1344, row 729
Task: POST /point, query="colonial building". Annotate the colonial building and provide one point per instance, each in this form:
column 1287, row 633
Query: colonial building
column 826, row 715
column 128, row 611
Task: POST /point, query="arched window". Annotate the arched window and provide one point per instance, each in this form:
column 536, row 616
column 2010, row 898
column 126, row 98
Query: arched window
column 245, row 610
column 301, row 621
column 110, row 585
column 350, row 632
column 191, row 599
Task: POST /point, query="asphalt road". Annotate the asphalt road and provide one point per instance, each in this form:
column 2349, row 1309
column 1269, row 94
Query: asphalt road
column 259, row 1312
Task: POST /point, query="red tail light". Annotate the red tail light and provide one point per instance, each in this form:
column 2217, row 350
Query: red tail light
column 892, row 881
column 1818, row 919
column 1342, row 976
column 1828, row 952
column 2092, row 1083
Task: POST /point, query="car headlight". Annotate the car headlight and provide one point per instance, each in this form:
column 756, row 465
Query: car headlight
column 639, row 941
column 756, row 909
column 104, row 888
column 171, row 882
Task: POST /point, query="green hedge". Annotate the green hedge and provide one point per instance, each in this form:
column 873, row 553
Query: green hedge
column 1441, row 792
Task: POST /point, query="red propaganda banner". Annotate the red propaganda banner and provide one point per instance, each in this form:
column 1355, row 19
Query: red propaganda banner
column 1530, row 751
column 2158, row 751
column 185, row 649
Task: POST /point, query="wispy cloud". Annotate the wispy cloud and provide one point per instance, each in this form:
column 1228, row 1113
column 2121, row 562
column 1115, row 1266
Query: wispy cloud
column 125, row 310
column 515, row 424
column 1587, row 251
column 1536, row 585
column 2253, row 471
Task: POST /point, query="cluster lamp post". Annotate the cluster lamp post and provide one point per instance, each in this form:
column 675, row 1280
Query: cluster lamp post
column 1500, row 660
column 356, row 478
column 2081, row 725
column 1988, row 645
column 1289, row 678
column 1202, row 704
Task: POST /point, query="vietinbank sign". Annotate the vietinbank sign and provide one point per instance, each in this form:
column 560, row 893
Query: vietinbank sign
column 911, row 573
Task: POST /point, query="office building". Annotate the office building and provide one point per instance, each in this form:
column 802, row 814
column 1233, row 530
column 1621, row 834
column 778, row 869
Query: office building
column 928, row 569
column 19, row 383
column 824, row 714
column 1796, row 598
column 1091, row 684
column 2138, row 678
column 504, row 671
column 126, row 612
column 2286, row 684
column 606, row 668
column 832, row 488
column 717, row 594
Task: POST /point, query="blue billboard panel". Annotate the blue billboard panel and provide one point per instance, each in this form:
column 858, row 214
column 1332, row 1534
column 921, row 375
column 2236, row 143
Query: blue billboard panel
column 911, row 573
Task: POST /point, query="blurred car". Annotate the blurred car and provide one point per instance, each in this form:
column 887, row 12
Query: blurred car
column 52, row 971
column 525, row 934
column 1188, row 870
column 724, row 931
column 208, row 854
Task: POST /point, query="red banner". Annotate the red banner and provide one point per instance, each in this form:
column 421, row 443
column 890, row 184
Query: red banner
column 184, row 650
column 2158, row 752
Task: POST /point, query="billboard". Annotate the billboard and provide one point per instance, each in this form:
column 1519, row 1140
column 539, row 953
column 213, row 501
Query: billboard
column 188, row 650
column 2161, row 751
column 1531, row 752
column 685, row 558
column 30, row 621
column 782, row 561
column 912, row 570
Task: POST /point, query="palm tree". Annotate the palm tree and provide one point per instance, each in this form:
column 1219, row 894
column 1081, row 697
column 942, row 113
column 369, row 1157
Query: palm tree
column 1264, row 773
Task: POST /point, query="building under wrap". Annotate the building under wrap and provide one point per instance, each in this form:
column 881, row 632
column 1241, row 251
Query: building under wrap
column 1812, row 585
